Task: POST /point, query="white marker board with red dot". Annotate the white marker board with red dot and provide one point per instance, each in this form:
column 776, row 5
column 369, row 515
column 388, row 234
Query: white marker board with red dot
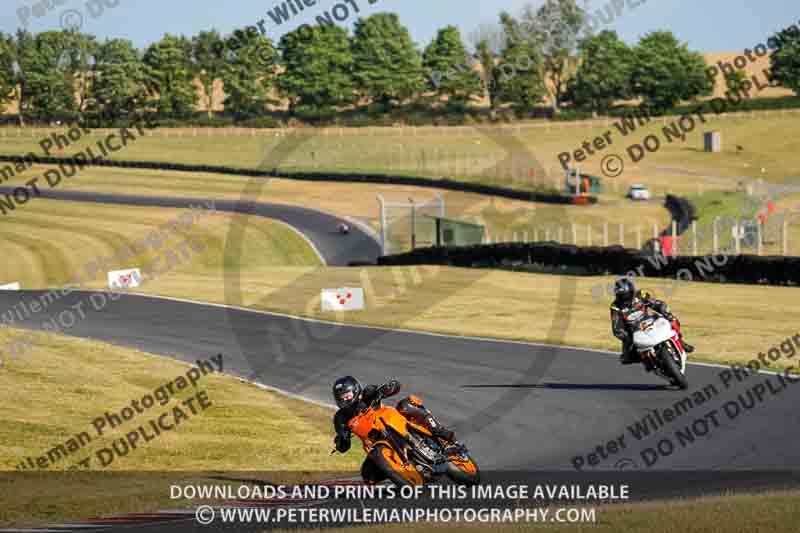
column 343, row 299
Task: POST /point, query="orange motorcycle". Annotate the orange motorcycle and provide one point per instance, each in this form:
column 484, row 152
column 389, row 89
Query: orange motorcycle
column 407, row 451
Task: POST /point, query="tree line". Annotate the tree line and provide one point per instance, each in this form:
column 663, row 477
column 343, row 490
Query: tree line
column 541, row 54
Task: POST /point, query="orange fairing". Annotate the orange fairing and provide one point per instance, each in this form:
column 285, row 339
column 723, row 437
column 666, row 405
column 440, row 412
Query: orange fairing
column 464, row 464
column 375, row 419
column 396, row 463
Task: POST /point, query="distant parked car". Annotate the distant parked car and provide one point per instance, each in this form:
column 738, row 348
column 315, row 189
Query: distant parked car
column 638, row 192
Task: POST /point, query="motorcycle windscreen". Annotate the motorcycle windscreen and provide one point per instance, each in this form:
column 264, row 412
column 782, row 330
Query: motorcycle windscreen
column 660, row 331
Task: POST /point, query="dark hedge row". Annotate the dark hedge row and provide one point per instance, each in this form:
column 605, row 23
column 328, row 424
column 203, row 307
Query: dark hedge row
column 612, row 260
column 682, row 211
column 445, row 184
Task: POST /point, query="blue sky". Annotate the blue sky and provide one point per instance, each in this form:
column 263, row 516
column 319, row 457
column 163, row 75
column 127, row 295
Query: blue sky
column 707, row 25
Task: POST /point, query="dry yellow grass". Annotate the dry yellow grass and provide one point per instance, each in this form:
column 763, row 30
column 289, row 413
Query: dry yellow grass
column 50, row 242
column 768, row 140
column 755, row 68
column 741, row 513
column 89, row 378
column 59, row 387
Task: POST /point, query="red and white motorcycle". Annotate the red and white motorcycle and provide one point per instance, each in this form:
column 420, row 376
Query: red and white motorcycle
column 660, row 347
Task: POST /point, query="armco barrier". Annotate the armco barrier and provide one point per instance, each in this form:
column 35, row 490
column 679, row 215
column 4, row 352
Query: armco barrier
column 444, row 184
column 612, row 260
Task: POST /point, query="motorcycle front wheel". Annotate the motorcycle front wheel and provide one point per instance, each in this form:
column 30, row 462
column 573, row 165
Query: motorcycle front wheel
column 672, row 368
column 390, row 462
column 463, row 470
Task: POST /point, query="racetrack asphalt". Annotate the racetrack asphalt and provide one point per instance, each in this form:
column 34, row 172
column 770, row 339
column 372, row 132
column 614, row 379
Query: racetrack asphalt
column 318, row 227
column 584, row 399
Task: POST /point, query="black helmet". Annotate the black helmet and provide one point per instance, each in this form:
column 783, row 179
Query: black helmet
column 624, row 289
column 346, row 391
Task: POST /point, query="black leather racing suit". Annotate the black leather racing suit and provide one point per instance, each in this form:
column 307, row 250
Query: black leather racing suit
column 621, row 330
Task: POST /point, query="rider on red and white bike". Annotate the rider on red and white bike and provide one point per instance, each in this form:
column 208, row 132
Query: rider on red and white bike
column 624, row 308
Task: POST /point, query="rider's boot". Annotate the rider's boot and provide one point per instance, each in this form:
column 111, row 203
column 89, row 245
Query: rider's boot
column 439, row 431
column 629, row 356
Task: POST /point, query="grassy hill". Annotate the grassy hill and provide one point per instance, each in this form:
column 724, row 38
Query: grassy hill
column 49, row 243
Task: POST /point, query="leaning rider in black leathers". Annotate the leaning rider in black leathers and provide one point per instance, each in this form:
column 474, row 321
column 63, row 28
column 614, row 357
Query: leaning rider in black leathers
column 628, row 299
column 352, row 399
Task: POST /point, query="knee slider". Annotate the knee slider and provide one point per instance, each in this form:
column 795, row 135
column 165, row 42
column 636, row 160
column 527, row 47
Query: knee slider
column 414, row 400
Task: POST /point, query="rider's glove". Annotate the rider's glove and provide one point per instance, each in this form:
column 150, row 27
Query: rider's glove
column 391, row 388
